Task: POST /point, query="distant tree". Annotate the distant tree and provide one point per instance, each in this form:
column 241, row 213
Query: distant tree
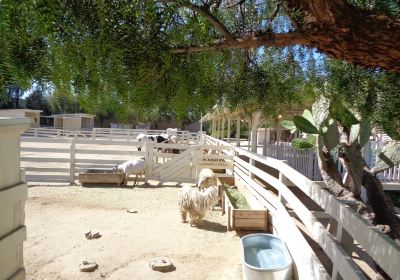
column 11, row 97
column 37, row 101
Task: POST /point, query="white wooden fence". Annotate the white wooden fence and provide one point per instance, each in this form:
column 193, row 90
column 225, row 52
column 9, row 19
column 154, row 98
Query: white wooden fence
column 334, row 226
column 306, row 162
column 108, row 134
column 60, row 160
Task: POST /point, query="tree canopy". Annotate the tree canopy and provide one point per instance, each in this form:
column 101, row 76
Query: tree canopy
column 188, row 55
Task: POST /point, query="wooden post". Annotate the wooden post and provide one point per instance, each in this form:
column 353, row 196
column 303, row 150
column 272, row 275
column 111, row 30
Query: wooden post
column 346, row 240
column 228, row 133
column 213, row 128
column 36, row 131
column 253, row 124
column 149, row 153
column 222, row 128
column 238, row 131
column 94, row 134
column 72, row 161
column 128, row 135
column 266, row 141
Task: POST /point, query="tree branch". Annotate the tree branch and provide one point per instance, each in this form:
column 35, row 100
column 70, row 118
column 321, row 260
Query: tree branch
column 264, row 39
column 206, row 14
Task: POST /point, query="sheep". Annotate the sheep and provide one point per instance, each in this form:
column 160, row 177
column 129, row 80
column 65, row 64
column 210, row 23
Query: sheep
column 196, row 203
column 131, row 167
column 206, row 178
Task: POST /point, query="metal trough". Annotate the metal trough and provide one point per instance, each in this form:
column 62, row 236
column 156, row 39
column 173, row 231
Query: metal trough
column 265, row 257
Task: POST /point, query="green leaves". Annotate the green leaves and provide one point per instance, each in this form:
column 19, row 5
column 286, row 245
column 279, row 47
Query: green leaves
column 331, row 136
column 389, row 157
column 304, row 125
column 343, row 115
column 302, row 144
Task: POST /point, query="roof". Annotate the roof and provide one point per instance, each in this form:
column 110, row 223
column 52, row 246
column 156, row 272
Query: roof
column 22, row 110
column 78, row 115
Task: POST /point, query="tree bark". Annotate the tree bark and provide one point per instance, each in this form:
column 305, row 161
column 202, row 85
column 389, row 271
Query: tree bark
column 381, row 204
column 334, row 27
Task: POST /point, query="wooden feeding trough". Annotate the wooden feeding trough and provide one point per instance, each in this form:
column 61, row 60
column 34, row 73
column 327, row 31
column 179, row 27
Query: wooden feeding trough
column 242, row 219
column 101, row 176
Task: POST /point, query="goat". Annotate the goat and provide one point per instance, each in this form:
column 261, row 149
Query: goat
column 151, row 138
column 206, row 178
column 196, row 203
column 131, row 167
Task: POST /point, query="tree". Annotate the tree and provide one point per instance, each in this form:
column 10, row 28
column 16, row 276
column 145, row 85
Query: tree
column 11, row 97
column 333, row 127
column 37, row 101
column 361, row 32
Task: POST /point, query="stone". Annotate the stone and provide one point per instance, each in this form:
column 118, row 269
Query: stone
column 162, row 264
column 86, row 266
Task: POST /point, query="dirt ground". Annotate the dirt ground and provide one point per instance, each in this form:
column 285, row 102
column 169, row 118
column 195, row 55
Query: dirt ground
column 58, row 216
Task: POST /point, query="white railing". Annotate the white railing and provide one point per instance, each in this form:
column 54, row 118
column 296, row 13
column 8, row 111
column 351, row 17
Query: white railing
column 350, row 227
column 348, row 232
column 61, row 159
column 109, row 134
column 306, row 162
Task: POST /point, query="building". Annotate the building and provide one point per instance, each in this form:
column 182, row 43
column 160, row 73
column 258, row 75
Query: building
column 34, row 115
column 73, row 121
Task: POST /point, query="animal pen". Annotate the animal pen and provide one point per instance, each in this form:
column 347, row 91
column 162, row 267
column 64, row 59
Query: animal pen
column 321, row 233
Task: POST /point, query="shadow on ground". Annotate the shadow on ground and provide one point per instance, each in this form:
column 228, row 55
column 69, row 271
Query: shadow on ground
column 212, row 226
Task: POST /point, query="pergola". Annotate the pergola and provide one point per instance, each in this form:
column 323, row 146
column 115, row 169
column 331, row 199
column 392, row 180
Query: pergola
column 219, row 116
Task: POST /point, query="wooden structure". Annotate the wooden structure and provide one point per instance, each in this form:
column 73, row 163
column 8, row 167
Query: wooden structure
column 255, row 218
column 254, row 120
column 73, row 121
column 101, row 177
column 13, row 193
column 33, row 115
column 334, row 226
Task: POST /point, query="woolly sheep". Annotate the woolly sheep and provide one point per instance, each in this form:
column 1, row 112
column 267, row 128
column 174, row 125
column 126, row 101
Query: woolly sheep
column 131, row 167
column 196, row 203
column 206, row 178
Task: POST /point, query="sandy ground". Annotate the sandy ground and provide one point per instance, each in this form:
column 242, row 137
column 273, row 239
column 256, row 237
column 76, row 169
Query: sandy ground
column 57, row 218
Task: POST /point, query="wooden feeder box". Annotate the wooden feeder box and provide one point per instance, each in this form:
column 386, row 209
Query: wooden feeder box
column 242, row 219
column 101, row 176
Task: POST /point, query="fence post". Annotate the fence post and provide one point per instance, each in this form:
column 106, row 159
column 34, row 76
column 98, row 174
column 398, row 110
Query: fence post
column 36, row 131
column 346, row 240
column 94, row 134
column 128, row 136
column 284, row 180
column 149, row 153
column 72, row 161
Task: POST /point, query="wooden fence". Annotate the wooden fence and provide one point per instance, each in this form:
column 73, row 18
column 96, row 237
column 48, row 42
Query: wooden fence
column 60, row 160
column 108, row 134
column 332, row 226
column 306, row 162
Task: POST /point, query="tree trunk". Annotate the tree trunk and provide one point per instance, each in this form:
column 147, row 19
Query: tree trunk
column 382, row 205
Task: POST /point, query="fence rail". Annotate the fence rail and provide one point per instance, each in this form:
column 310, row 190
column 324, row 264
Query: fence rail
column 109, row 134
column 347, row 231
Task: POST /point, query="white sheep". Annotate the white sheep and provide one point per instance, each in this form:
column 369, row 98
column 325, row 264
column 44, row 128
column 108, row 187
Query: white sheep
column 196, row 203
column 206, row 178
column 131, row 167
